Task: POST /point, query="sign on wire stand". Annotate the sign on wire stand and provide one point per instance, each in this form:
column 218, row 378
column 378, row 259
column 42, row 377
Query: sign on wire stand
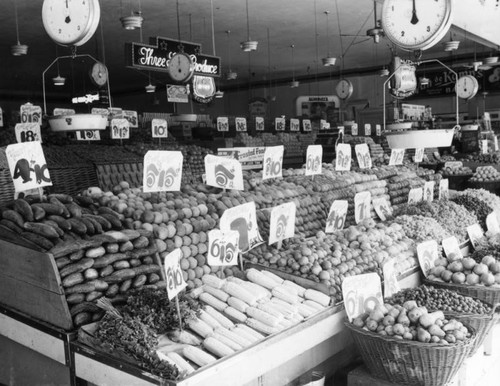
column 224, row 173
column 162, row 171
column 222, row 248
column 336, row 216
column 361, row 293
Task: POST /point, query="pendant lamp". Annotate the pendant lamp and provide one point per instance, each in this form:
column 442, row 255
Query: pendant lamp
column 134, row 20
column 328, row 60
column 248, row 45
column 231, row 75
column 294, row 83
column 18, row 49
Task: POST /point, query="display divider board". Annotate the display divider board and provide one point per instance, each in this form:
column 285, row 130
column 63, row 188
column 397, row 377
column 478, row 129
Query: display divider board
column 162, row 171
column 362, row 204
column 429, row 191
column 273, row 162
column 451, row 246
column 492, row 223
column 28, row 132
column 336, row 216
column 314, row 157
column 363, row 156
column 282, row 223
column 242, row 218
column 475, row 234
column 343, row 157
column 361, row 293
column 391, row 284
column 427, row 253
column 397, row 156
column 443, row 189
column 223, row 172
column 223, row 248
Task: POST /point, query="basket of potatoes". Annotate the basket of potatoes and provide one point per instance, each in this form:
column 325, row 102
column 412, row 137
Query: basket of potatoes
column 408, row 345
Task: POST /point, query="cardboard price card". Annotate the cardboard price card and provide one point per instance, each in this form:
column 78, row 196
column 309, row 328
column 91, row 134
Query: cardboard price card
column 259, row 123
column 363, row 156
column 222, row 124
column 343, row 157
column 282, row 223
column 306, row 125
column 162, row 171
column 378, row 130
column 484, row 146
column 492, row 223
column 28, row 132
column 60, row 111
column 241, row 124
column 429, row 191
column 382, row 208
column 419, row 154
column 427, row 253
column 99, row 110
column 27, row 166
column 443, row 189
column 294, row 124
column 415, row 196
column 362, row 202
column 397, row 156
column 173, row 273
column 391, row 283
column 313, row 160
column 475, row 234
column 224, row 173
column 450, row 246
column 336, row 216
column 368, row 129
column 120, row 128
column 323, row 124
column 279, row 124
column 30, row 113
column 242, row 218
column 222, row 248
column 132, row 118
column 361, row 293
column 453, row 164
column 273, row 162
column 88, row 135
column 159, row 128
column 354, row 129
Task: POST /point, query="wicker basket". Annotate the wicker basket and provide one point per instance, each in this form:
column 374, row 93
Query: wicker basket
column 406, row 362
column 489, row 295
column 72, row 180
column 6, row 186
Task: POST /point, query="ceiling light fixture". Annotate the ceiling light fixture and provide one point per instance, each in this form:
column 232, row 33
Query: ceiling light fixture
column 452, row 45
column 383, row 72
column 58, row 80
column 134, row 21
column 329, row 60
column 150, row 88
column 231, row 75
column 376, row 31
column 294, row 83
column 424, row 81
column 18, row 49
column 249, row 45
column 490, row 60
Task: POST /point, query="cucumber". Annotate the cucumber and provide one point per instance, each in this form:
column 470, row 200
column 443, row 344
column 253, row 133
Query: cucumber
column 24, row 209
column 41, row 229
column 13, row 216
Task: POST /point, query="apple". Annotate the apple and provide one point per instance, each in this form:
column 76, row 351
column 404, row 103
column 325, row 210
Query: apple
column 446, row 275
column 488, row 278
column 494, row 267
column 458, row 278
column 468, row 263
column 480, row 269
column 456, row 266
column 472, row 279
column 488, row 259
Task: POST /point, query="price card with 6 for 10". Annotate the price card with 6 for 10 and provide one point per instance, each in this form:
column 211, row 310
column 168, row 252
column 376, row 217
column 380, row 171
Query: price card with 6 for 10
column 362, row 203
column 294, row 124
column 415, row 196
column 419, row 154
column 259, row 123
column 28, row 132
column 361, row 293
column 391, row 283
column 279, row 124
column 173, row 273
column 443, row 189
column 222, row 248
column 429, row 191
column 162, row 171
column 306, row 125
column 222, row 124
column 427, row 253
column 343, row 157
column 224, row 173
column 382, row 208
column 313, row 160
column 336, row 216
column 282, row 223
column 242, row 218
column 450, row 246
column 363, row 156
column 397, row 156
column 475, row 234
column 241, row 124
column 120, row 128
column 273, row 161
column 159, row 128
column 368, row 129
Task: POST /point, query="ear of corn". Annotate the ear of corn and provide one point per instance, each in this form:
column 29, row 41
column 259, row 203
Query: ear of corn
column 212, row 281
column 235, row 315
column 239, row 292
column 180, row 362
column 285, row 323
column 228, row 342
column 209, row 319
column 271, row 309
column 216, row 347
column 318, row 297
column 250, row 331
column 295, row 318
column 223, row 321
column 273, row 276
column 198, row 356
column 244, row 334
column 300, row 290
column 237, row 304
column 260, row 291
column 233, row 336
column 234, row 279
column 261, row 327
column 263, row 316
column 217, row 293
column 259, row 278
column 284, row 293
column 291, row 308
column 313, row 304
column 305, row 310
column 212, row 301
column 200, row 327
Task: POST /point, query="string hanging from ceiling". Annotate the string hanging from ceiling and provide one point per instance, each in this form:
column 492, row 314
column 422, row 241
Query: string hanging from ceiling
column 18, row 49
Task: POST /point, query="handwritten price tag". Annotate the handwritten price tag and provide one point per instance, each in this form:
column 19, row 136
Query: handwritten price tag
column 368, row 129
column 30, row 113
column 382, row 208
column 397, row 156
column 224, row 173
column 28, row 132
column 415, row 196
column 282, row 223
column 306, row 125
column 162, row 171
column 475, row 234
column 362, row 203
column 336, row 216
column 222, row 124
column 450, row 245
column 419, row 154
column 453, row 164
column 173, row 274
column 279, row 124
column 343, row 157
column 378, row 130
column 313, row 160
column 391, row 284
column 60, row 111
column 259, row 123
column 120, row 128
column 294, row 124
column 492, row 223
column 427, row 253
column 242, row 218
column 443, row 189
column 241, row 124
column 273, row 161
column 132, row 118
column 362, row 293
column 354, row 129
column 88, row 135
column 159, row 128
column 222, row 248
column 363, row 156
column 429, row 191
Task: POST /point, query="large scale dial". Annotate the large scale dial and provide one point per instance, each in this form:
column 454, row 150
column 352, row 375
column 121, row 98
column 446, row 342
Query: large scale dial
column 99, row 74
column 466, row 87
column 181, row 67
column 416, row 24
column 344, row 89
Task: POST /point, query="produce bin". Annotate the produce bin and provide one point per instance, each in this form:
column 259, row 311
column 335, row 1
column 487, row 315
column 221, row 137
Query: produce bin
column 457, row 182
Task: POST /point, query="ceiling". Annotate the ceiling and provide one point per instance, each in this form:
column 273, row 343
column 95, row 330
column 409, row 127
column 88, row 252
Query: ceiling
column 275, row 24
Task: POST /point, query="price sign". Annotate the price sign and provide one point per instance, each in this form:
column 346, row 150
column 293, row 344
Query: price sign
column 427, row 253
column 222, row 124
column 484, row 146
column 368, row 129
column 282, row 223
column 362, row 201
column 222, row 248
column 273, row 161
column 363, row 156
column 131, row 117
column 30, row 113
column 241, row 124
column 173, row 273
column 361, row 293
column 397, row 156
column 162, row 171
column 120, row 128
column 492, row 223
column 354, row 129
column 429, row 191
column 443, row 189
column 382, row 208
column 378, row 130
column 343, row 157
column 27, row 166
column 313, row 160
column 242, row 218
column 88, row 135
column 322, row 124
column 115, row 112
column 159, row 128
column 341, row 130
column 419, row 154
column 59, row 111
column 306, row 125
column 259, row 123
column 450, row 245
column 28, row 132
column 415, row 196
column 475, row 234
column 336, row 216
column 453, row 164
column 99, row 110
column 224, row 173
column 294, row 124
column 279, row 124
column 391, row 283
